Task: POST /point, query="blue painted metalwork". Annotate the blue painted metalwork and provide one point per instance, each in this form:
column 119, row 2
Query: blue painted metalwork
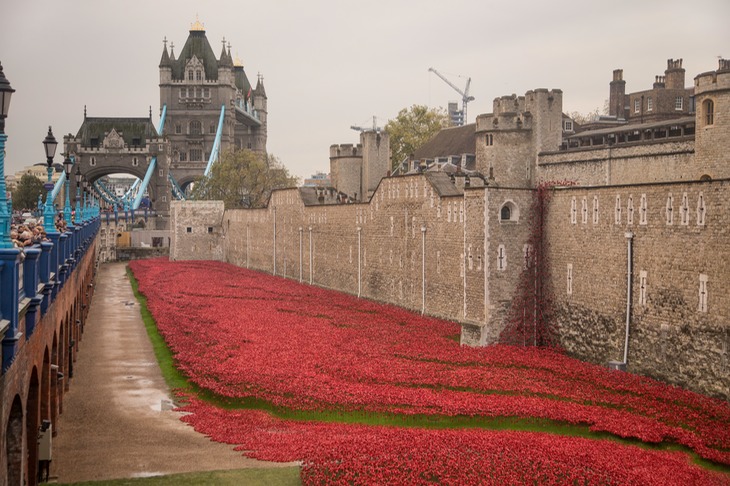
column 176, row 189
column 57, row 188
column 4, row 212
column 145, row 181
column 161, row 127
column 217, row 142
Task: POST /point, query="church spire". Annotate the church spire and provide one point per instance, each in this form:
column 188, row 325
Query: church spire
column 225, row 59
column 165, row 61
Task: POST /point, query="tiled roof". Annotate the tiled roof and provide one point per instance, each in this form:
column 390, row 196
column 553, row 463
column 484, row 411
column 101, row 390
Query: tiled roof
column 449, row 141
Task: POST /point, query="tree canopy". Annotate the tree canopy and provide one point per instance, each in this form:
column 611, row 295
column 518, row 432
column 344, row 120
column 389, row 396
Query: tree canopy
column 412, row 128
column 244, row 179
column 25, row 195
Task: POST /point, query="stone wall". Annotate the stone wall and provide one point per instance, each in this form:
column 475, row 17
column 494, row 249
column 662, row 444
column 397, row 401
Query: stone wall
column 679, row 257
column 427, row 245
column 642, row 162
column 196, row 230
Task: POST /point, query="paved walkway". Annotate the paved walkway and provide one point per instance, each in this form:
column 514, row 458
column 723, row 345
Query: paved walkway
column 115, row 422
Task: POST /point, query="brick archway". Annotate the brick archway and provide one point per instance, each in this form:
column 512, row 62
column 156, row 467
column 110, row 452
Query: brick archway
column 32, row 421
column 14, row 442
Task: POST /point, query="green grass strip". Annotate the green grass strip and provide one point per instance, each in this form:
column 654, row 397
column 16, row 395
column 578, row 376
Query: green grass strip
column 277, row 476
column 176, row 380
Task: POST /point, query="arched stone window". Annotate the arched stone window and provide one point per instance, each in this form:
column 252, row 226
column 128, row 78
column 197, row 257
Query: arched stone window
column 708, row 107
column 505, row 213
column 509, row 212
column 196, row 127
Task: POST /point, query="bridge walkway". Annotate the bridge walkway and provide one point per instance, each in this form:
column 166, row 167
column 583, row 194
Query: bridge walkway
column 116, row 420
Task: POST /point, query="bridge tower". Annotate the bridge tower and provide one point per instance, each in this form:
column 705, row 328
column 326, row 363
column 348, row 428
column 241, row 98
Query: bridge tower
column 194, row 86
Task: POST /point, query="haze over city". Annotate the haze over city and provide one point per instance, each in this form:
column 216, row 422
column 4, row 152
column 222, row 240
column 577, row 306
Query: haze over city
column 329, row 65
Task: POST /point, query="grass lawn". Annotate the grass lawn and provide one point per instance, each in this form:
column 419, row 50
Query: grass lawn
column 277, row 476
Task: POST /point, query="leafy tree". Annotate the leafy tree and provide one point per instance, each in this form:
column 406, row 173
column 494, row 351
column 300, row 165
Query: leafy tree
column 584, row 118
column 25, row 195
column 412, row 128
column 244, row 179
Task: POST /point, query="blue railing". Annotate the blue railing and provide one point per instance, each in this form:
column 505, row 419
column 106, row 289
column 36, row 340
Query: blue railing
column 32, row 277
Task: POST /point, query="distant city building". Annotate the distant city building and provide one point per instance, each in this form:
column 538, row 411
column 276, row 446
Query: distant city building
column 320, row 179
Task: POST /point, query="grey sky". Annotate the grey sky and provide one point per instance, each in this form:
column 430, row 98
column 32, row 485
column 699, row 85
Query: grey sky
column 331, row 64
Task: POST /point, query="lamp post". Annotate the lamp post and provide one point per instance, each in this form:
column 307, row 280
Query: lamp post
column 5, row 94
column 49, row 144
column 67, row 164
column 79, row 177
column 87, row 212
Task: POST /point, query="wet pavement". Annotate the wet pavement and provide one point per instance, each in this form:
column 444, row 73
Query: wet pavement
column 116, row 420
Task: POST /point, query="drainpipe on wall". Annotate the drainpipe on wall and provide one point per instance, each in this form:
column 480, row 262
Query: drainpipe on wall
column 274, row 240
column 359, row 262
column 310, row 255
column 300, row 254
column 629, row 267
column 423, row 270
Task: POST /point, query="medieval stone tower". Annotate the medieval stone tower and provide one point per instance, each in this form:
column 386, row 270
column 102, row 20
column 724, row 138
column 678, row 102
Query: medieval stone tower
column 196, row 87
column 509, row 139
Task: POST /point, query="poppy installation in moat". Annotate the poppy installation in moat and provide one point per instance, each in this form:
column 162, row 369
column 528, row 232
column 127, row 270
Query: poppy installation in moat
column 255, row 339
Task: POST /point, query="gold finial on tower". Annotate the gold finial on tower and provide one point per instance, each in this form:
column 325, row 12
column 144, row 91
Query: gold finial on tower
column 237, row 62
column 197, row 26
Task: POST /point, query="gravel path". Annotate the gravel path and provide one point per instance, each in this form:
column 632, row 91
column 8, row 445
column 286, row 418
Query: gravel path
column 116, row 421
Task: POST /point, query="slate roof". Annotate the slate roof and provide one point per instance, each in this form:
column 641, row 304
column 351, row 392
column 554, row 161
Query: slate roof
column 442, row 183
column 197, row 45
column 129, row 128
column 449, row 141
column 242, row 81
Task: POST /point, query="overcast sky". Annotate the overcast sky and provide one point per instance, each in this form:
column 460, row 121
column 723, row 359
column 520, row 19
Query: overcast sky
column 330, row 64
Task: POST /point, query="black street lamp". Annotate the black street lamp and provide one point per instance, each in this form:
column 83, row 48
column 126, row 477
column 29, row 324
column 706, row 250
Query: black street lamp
column 79, row 177
column 6, row 92
column 67, row 165
column 49, row 145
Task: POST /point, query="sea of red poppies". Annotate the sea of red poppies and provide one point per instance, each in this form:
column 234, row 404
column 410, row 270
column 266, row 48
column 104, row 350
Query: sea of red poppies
column 244, row 334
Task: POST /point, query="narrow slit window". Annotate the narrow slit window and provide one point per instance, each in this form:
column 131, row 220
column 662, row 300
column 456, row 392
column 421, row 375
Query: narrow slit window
column 642, row 288
column 569, row 281
column 701, row 210
column 573, row 211
column 630, row 210
column 685, row 209
column 584, row 210
column 643, row 210
column 670, row 209
column 703, row 293
column 617, row 212
column 501, row 258
column 595, row 209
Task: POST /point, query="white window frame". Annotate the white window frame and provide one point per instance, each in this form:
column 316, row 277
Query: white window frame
column 670, row 209
column 642, row 288
column 637, row 106
column 501, row 258
column 643, row 210
column 701, row 210
column 679, row 103
column 573, row 211
column 703, row 293
column 569, row 280
column 649, row 104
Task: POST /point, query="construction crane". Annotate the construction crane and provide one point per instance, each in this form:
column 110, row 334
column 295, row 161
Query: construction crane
column 465, row 98
column 375, row 127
